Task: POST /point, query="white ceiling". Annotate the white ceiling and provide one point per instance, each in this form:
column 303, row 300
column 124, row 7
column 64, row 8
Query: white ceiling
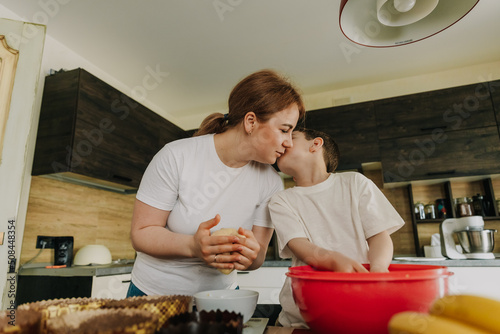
column 206, row 51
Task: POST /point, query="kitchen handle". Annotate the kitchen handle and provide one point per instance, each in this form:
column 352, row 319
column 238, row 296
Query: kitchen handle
column 446, row 172
column 126, row 281
column 242, row 272
column 434, row 127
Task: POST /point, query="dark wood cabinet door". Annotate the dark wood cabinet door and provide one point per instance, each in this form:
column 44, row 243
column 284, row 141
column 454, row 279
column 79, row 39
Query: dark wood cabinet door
column 495, row 97
column 451, row 109
column 96, row 131
column 56, row 124
column 354, row 130
column 441, row 155
column 117, row 135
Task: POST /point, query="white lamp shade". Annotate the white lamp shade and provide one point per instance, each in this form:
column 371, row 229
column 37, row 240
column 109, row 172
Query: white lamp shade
column 387, row 23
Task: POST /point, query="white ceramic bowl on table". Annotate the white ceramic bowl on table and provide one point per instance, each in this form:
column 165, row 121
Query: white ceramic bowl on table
column 238, row 301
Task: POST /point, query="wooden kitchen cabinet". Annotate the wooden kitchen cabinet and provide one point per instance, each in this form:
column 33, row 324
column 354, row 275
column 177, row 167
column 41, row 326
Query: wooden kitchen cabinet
column 90, row 130
column 353, row 128
column 447, row 154
column 495, row 97
column 457, row 108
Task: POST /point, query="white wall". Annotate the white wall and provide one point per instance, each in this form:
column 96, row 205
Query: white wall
column 15, row 166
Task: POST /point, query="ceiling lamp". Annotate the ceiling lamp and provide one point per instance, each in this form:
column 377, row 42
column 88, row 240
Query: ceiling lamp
column 386, row 23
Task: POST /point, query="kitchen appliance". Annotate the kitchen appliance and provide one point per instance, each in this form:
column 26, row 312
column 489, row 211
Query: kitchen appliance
column 92, row 254
column 476, row 242
column 63, row 251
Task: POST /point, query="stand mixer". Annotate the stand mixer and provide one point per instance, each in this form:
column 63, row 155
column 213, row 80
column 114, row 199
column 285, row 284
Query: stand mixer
column 450, row 226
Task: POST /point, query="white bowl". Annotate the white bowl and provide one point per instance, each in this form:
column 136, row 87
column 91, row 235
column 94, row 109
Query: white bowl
column 238, row 301
column 92, row 254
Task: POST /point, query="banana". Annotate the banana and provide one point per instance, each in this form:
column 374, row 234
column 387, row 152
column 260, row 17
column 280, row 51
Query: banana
column 422, row 323
column 477, row 311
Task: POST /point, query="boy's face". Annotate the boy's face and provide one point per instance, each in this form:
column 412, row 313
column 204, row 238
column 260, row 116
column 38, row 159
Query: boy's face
column 296, row 155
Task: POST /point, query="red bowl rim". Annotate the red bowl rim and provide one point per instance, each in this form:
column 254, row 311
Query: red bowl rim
column 397, row 272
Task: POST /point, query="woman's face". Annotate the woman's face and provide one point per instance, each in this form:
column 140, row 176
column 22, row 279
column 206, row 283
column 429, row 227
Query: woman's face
column 270, row 139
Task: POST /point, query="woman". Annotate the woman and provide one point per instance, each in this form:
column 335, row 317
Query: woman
column 220, row 178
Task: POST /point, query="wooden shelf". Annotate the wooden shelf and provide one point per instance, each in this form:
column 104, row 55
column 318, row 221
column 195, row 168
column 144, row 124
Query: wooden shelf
column 432, row 192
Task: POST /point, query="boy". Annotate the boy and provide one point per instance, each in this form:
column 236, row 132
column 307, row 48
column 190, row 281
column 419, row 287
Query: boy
column 329, row 221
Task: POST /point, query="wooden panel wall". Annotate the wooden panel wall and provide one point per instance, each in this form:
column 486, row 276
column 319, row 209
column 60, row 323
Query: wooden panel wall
column 90, row 215
column 398, row 196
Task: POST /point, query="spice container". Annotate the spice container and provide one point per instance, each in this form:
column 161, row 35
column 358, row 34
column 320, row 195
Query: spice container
column 478, row 205
column 430, row 211
column 419, row 211
column 441, row 208
column 464, row 207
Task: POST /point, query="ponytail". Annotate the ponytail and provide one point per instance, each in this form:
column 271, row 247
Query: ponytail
column 213, row 123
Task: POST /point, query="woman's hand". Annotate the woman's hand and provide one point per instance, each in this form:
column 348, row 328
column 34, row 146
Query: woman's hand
column 249, row 251
column 212, row 249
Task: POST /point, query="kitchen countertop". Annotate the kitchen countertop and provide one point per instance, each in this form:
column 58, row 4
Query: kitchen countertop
column 38, row 269
column 416, row 260
column 125, row 267
column 452, row 263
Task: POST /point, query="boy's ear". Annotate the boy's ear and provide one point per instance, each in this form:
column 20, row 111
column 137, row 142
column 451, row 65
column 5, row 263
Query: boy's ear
column 317, row 143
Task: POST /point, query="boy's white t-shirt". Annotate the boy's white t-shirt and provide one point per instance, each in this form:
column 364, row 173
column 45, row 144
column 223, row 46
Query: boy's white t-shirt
column 187, row 178
column 338, row 214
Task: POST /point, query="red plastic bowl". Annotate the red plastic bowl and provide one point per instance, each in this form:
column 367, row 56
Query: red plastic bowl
column 333, row 302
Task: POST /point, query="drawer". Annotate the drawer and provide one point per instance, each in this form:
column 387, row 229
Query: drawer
column 113, row 286
column 262, row 277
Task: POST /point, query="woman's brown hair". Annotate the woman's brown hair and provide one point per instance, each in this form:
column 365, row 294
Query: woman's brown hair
column 264, row 92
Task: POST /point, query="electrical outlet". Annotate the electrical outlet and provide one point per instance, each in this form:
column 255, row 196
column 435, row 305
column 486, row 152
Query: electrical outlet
column 49, row 241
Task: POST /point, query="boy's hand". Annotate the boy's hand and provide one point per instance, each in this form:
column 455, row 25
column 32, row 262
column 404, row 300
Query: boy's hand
column 322, row 258
column 344, row 264
column 378, row 269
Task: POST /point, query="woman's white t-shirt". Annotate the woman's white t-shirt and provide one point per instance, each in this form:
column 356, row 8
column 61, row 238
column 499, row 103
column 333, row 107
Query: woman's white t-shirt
column 187, row 178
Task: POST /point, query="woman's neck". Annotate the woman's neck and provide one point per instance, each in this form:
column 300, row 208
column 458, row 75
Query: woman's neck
column 229, row 146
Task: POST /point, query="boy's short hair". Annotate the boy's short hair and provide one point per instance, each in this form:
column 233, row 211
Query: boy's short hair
column 331, row 153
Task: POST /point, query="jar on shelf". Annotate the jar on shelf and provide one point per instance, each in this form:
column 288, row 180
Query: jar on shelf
column 464, row 207
column 441, row 208
column 430, row 211
column 419, row 210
